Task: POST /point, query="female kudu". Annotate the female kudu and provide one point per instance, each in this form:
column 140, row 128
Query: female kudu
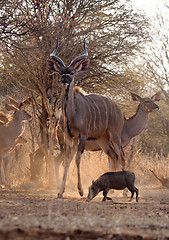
column 10, row 136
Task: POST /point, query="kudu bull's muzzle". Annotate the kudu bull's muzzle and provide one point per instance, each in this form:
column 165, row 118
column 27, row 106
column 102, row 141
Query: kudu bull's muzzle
column 66, row 80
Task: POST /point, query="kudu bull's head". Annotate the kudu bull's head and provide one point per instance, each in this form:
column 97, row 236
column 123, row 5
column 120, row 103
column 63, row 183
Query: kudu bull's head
column 67, row 73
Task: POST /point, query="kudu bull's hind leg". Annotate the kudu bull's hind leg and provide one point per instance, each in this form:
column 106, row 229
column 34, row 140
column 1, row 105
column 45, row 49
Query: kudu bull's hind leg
column 108, row 148
column 116, row 142
column 59, row 159
column 69, row 154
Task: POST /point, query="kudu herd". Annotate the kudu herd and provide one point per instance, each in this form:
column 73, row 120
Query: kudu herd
column 10, row 136
column 92, row 121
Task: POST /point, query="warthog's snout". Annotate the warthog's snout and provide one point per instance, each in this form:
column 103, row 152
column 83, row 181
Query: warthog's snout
column 93, row 191
column 90, row 195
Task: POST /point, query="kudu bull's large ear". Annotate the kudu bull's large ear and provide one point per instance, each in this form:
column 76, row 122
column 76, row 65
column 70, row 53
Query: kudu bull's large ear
column 135, row 97
column 82, row 66
column 157, row 96
column 55, row 67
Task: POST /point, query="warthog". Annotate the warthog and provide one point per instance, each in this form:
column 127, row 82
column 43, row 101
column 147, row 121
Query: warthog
column 113, row 180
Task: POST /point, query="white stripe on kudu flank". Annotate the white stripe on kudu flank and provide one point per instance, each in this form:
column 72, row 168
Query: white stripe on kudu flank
column 111, row 105
column 90, row 116
column 106, row 112
column 93, row 121
column 96, row 107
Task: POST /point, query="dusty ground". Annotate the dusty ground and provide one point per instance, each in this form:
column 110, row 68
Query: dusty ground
column 40, row 215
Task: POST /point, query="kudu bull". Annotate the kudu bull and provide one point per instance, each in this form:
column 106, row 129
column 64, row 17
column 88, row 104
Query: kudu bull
column 10, row 135
column 86, row 117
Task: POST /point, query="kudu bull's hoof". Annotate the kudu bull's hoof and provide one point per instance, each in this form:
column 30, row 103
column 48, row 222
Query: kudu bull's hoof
column 80, row 190
column 60, row 195
column 81, row 193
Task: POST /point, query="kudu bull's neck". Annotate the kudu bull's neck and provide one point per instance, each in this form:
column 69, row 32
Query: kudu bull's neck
column 71, row 105
column 134, row 125
column 68, row 105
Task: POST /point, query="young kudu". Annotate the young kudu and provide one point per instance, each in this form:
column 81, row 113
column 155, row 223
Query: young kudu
column 86, row 117
column 10, row 136
column 132, row 126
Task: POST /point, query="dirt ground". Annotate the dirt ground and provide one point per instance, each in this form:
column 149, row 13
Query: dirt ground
column 39, row 214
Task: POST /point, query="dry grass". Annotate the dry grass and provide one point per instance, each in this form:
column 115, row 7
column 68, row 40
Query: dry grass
column 93, row 164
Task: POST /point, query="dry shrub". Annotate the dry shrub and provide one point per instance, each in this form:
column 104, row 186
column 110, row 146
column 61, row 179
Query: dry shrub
column 19, row 165
column 141, row 164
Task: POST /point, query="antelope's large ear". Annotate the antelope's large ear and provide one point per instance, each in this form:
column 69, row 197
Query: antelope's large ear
column 81, row 66
column 10, row 108
column 21, row 106
column 53, row 66
column 135, row 97
column 13, row 102
column 21, row 140
column 156, row 96
column 3, row 117
column 27, row 101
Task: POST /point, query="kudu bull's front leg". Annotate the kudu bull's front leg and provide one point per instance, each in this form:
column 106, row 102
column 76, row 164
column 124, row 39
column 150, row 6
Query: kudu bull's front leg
column 81, row 148
column 71, row 148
